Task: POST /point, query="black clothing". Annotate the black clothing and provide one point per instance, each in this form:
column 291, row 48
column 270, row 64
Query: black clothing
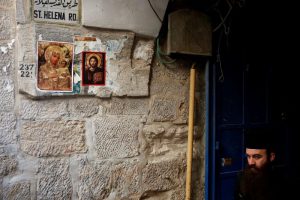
column 267, row 185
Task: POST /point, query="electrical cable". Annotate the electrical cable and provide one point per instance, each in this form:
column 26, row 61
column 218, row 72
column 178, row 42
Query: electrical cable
column 155, row 11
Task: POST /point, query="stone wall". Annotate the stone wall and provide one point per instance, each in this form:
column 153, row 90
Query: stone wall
column 127, row 145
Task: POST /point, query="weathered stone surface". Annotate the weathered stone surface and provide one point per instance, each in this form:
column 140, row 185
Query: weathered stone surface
column 6, row 94
column 170, row 79
column 53, row 138
column 7, row 26
column 26, row 43
column 120, row 50
column 43, row 109
column 114, row 180
column 23, row 11
column 125, row 179
column 125, row 76
column 162, row 175
column 162, row 139
column 164, row 109
column 178, row 194
column 6, row 3
column 8, row 164
column 1, row 190
column 117, row 137
column 94, row 180
column 171, row 82
column 54, row 181
column 17, row 191
column 7, row 128
column 83, row 107
column 119, row 76
column 143, row 51
column 56, row 32
column 153, row 131
column 139, row 82
column 6, row 59
column 125, row 106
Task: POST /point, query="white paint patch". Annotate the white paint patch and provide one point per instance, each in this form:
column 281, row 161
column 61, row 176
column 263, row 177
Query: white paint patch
column 8, row 86
column 113, row 47
column 11, row 43
column 4, row 49
column 40, row 37
column 5, row 68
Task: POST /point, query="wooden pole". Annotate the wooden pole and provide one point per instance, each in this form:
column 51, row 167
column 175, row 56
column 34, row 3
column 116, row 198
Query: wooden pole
column 190, row 134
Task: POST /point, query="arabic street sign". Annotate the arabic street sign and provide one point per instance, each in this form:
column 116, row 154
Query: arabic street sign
column 57, row 11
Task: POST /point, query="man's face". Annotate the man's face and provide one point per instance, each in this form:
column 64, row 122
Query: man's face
column 258, row 159
column 93, row 63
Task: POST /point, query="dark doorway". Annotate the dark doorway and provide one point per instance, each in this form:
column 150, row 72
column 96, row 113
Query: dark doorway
column 252, row 84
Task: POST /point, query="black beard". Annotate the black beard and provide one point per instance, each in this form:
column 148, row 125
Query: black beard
column 255, row 182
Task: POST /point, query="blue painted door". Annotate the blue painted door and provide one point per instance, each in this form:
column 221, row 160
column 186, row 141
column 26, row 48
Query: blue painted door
column 240, row 96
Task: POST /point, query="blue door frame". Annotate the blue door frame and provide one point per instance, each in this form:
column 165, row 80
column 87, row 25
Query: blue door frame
column 239, row 102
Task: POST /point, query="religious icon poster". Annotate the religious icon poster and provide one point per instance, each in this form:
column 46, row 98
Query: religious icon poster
column 93, row 68
column 55, row 71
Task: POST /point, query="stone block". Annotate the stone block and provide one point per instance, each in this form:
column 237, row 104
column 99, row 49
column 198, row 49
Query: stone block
column 117, row 137
column 1, row 189
column 164, row 109
column 94, row 180
column 8, row 164
column 178, row 194
column 53, row 138
column 7, row 128
column 23, row 11
column 26, row 43
column 43, row 109
column 126, row 179
column 162, row 175
column 20, row 190
column 83, row 107
column 54, row 181
column 56, row 32
column 7, row 25
column 118, row 44
column 143, row 51
column 120, row 73
column 6, row 3
column 121, row 106
column 139, row 82
column 7, row 100
column 6, row 59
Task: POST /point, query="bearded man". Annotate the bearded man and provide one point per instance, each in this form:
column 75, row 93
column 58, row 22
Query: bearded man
column 260, row 180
